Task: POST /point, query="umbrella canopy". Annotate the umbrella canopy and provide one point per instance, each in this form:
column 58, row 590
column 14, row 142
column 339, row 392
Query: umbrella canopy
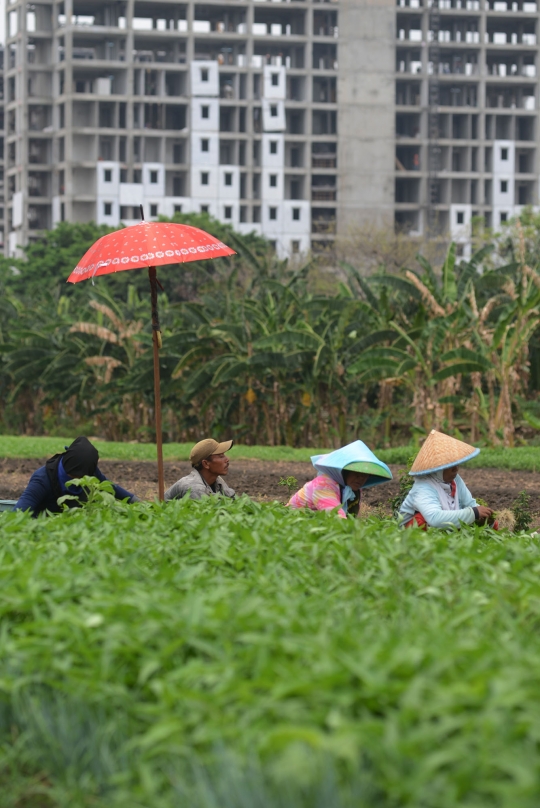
column 356, row 457
column 147, row 244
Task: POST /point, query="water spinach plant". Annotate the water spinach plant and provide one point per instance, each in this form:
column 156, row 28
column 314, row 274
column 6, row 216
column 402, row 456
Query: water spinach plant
column 229, row 654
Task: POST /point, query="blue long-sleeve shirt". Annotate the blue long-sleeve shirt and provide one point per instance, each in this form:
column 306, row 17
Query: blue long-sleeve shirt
column 423, row 498
column 39, row 496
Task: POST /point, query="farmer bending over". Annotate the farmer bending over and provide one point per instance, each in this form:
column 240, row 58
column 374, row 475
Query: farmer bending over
column 210, row 465
column 48, row 483
column 342, row 475
column 439, row 497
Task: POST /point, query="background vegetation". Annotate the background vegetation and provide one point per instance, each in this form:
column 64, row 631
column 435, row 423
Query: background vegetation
column 339, row 662
column 274, row 353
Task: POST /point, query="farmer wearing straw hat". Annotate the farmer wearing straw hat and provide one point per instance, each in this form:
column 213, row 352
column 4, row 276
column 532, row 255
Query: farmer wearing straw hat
column 439, row 497
column 210, row 464
column 341, row 477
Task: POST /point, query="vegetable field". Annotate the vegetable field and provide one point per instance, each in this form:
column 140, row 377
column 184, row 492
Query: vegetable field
column 238, row 655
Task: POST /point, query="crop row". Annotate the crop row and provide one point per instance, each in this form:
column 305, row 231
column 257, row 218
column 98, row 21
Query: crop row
column 247, row 655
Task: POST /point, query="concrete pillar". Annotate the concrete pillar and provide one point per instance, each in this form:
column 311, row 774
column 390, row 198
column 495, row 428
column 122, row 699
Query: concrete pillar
column 366, row 125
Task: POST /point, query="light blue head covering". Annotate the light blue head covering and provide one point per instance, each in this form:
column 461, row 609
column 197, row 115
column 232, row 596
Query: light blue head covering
column 333, row 464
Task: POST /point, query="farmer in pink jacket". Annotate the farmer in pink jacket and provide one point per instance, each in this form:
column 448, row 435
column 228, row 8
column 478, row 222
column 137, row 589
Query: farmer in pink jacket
column 341, row 477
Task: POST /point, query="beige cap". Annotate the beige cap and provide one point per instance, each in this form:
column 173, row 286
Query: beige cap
column 440, row 452
column 205, row 448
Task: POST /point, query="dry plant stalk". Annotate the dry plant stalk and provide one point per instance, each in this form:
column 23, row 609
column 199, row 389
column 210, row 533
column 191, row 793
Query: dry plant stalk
column 426, row 294
column 96, row 331
column 506, row 519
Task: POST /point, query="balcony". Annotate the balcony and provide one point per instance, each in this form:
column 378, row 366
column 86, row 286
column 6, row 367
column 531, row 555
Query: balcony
column 323, row 191
column 324, row 161
column 323, row 195
column 511, row 98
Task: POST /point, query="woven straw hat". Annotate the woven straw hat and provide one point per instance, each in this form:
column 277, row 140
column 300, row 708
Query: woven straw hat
column 440, row 452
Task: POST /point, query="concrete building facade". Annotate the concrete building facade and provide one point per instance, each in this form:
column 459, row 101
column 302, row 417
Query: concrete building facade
column 227, row 106
column 298, row 119
column 467, row 128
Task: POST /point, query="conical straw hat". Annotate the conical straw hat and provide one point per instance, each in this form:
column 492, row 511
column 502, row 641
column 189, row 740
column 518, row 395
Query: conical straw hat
column 441, row 452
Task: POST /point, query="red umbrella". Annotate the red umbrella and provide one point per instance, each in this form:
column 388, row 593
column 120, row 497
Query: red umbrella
column 149, row 244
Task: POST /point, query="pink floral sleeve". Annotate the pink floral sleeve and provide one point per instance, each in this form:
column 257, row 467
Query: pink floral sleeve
column 320, row 494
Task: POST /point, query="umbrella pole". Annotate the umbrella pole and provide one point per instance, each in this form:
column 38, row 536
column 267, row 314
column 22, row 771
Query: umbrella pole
column 156, row 340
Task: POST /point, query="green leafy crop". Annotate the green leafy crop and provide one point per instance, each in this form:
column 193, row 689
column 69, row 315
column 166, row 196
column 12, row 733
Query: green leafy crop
column 225, row 654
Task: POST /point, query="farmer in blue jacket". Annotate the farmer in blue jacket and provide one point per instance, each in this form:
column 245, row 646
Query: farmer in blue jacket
column 439, row 497
column 48, row 483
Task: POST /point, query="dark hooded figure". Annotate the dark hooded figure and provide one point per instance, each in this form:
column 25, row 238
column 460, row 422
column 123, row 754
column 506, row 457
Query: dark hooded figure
column 48, row 483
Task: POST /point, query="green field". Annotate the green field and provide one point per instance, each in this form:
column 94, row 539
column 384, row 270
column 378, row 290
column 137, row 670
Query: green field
column 223, row 654
column 524, row 458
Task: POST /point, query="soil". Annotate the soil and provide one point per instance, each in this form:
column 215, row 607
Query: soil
column 260, row 480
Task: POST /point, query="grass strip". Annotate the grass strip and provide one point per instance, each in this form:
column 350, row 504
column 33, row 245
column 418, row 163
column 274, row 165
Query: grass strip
column 522, row 458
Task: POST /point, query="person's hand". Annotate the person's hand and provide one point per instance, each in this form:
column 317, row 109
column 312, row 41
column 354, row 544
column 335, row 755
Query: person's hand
column 484, row 514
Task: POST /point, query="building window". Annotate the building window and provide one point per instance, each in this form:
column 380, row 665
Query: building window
column 205, row 144
column 504, row 217
column 204, row 74
column 460, row 218
column 178, row 208
column 228, row 178
column 153, row 210
column 228, row 212
column 273, row 147
column 153, row 177
column 272, row 213
column 273, row 244
column 204, row 177
column 273, row 180
column 275, row 79
column 296, row 214
column 295, row 246
column 107, row 175
column 107, row 208
column 504, row 186
column 205, row 111
column 205, row 208
column 137, row 177
column 273, row 110
column 504, row 154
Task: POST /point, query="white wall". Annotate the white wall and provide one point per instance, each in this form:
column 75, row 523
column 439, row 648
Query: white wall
column 2, row 21
column 504, row 173
column 210, row 87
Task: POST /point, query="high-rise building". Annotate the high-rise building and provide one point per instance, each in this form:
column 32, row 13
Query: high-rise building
column 299, row 119
column 467, row 128
column 225, row 106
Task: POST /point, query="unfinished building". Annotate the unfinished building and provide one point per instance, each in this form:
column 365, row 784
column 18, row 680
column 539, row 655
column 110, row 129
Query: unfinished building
column 298, row 119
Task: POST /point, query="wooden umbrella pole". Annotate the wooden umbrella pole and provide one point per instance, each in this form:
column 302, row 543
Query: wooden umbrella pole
column 156, row 339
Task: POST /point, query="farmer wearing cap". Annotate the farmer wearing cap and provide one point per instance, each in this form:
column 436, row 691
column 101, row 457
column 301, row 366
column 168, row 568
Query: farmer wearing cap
column 210, row 465
column 342, row 475
column 439, row 497
column 48, row 483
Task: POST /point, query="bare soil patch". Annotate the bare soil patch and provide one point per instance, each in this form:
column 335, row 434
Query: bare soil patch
column 260, row 480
